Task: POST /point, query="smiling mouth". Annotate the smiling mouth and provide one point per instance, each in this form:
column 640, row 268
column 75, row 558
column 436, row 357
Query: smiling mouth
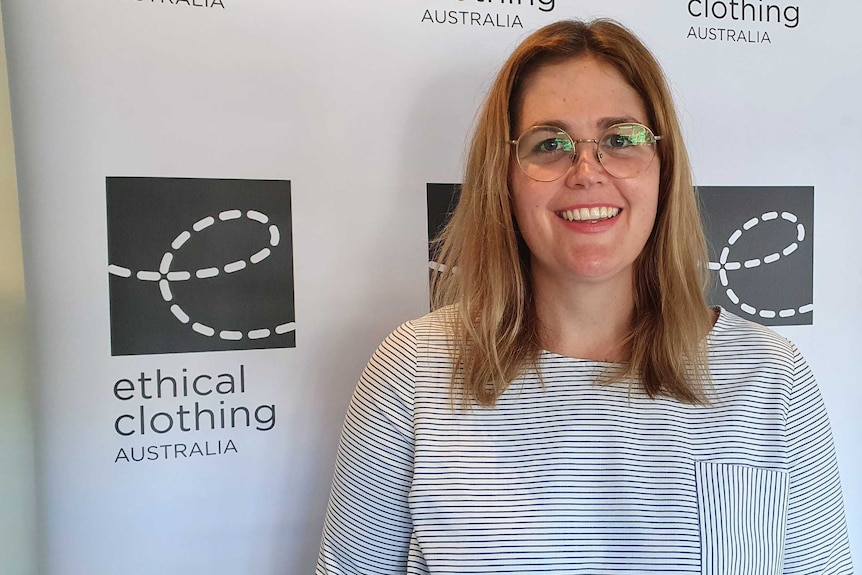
column 591, row 215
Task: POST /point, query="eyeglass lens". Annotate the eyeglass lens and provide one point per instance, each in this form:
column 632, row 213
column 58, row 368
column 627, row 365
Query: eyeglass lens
column 545, row 153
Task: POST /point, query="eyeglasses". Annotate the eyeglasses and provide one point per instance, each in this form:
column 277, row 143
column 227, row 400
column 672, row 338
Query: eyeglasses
column 545, row 153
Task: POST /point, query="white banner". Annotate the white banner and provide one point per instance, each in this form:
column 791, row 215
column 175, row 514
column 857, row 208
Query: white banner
column 224, row 211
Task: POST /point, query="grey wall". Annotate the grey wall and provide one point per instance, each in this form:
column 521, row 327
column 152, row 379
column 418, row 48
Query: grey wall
column 17, row 476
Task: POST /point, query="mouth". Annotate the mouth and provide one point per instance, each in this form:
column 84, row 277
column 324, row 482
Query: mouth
column 591, row 215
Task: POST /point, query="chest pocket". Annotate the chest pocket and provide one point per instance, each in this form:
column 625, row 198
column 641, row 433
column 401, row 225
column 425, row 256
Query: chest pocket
column 742, row 512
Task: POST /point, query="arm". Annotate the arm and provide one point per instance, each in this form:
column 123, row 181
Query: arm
column 368, row 525
column 816, row 541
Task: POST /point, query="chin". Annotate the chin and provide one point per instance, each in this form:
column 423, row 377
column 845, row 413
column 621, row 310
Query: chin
column 599, row 271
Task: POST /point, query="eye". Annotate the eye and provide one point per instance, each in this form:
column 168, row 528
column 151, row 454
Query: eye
column 552, row 145
column 617, row 141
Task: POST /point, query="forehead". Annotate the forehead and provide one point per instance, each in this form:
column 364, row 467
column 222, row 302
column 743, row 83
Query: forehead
column 581, row 94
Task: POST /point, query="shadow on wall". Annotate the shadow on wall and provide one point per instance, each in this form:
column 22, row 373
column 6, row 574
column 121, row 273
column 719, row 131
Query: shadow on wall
column 18, row 535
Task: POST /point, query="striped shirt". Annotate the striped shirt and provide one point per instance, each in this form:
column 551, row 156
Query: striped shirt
column 568, row 476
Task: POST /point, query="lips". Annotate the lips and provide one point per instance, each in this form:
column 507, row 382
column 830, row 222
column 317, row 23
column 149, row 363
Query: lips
column 593, row 214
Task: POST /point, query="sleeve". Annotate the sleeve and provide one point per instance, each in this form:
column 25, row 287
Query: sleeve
column 368, row 526
column 816, row 542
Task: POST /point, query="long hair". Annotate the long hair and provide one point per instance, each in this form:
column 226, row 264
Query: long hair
column 488, row 280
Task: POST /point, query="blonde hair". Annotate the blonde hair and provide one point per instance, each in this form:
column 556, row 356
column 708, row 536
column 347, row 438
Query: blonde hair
column 494, row 317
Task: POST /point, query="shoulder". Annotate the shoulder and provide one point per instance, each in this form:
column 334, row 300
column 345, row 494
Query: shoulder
column 751, row 364
column 433, row 331
column 439, row 321
column 414, row 355
column 429, row 334
column 737, row 339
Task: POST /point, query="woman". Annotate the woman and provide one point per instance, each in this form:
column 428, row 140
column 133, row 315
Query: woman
column 573, row 406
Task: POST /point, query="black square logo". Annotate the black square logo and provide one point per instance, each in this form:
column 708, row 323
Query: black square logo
column 761, row 251
column 199, row 265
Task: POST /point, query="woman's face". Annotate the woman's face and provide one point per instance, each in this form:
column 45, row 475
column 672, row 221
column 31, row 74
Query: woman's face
column 584, row 97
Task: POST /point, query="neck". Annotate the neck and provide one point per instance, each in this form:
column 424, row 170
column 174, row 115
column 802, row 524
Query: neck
column 584, row 320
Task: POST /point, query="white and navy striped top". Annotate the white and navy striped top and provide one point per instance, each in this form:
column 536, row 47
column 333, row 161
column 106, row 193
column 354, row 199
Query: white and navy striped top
column 579, row 478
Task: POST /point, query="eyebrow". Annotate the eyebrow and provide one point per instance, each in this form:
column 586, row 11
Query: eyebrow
column 604, row 123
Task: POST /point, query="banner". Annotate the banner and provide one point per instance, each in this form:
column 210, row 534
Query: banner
column 225, row 208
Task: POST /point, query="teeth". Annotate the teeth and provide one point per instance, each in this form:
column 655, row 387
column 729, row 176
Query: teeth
column 589, row 214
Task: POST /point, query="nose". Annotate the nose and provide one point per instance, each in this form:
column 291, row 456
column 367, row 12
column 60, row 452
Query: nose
column 586, row 167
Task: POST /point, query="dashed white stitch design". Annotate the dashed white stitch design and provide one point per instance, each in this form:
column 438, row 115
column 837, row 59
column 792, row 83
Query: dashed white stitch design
column 285, row 327
column 119, row 271
column 722, row 266
column 165, row 276
column 203, row 224
column 180, row 314
column 203, row 329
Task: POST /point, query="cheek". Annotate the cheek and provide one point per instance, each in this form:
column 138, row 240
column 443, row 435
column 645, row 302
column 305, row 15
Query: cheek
column 520, row 214
column 650, row 210
column 642, row 199
column 649, row 195
column 519, row 198
column 527, row 206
